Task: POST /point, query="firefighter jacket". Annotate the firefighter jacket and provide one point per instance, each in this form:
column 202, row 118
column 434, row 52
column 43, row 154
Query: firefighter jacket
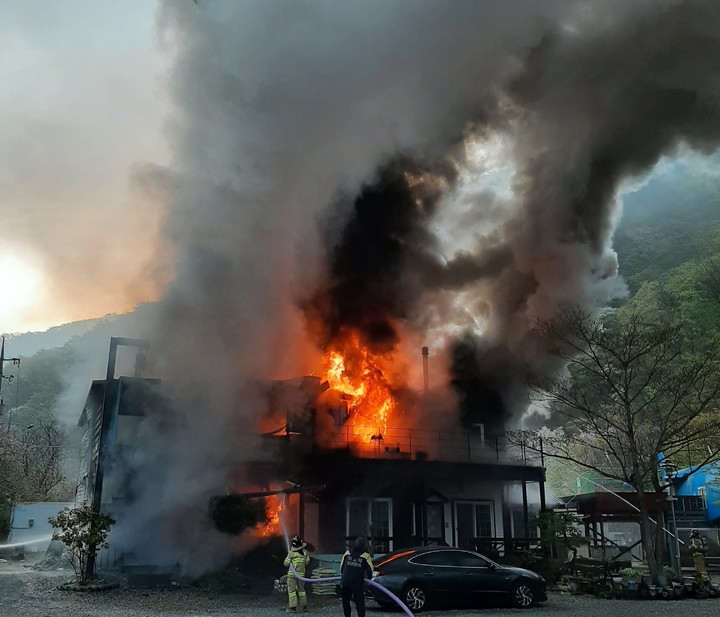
column 299, row 559
column 697, row 546
column 355, row 567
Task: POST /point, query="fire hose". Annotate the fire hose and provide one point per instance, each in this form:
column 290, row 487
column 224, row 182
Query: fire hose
column 330, row 579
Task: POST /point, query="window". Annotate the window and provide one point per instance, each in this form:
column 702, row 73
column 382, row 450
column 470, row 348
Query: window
column 474, row 520
column 435, row 558
column 450, row 558
column 371, row 518
column 469, row 560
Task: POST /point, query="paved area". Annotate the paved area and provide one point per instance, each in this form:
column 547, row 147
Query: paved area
column 27, row 593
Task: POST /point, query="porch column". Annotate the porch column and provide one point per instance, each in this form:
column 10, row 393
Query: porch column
column 507, row 522
column 301, row 514
column 526, row 516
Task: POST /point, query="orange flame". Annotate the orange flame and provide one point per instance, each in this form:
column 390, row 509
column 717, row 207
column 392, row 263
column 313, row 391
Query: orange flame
column 357, row 373
column 273, row 509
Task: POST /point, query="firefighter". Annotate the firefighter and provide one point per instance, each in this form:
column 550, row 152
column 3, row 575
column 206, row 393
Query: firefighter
column 697, row 546
column 356, row 566
column 299, row 558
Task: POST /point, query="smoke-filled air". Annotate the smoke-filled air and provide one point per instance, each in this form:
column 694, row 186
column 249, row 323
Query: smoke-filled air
column 353, row 181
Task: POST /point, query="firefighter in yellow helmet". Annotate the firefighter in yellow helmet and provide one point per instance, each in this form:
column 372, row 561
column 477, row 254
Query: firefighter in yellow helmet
column 299, row 558
column 697, row 547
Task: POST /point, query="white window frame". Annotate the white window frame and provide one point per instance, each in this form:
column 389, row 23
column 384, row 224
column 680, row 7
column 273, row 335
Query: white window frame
column 370, row 500
column 474, row 502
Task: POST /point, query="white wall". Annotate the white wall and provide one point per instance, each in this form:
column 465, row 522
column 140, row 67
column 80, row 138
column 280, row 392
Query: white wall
column 470, row 491
column 29, row 524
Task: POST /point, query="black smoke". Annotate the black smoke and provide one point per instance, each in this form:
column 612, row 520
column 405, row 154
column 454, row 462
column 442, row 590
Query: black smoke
column 591, row 106
column 368, row 290
column 486, row 379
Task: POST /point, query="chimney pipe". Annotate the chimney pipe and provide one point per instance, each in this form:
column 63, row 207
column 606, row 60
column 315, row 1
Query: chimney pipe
column 426, row 384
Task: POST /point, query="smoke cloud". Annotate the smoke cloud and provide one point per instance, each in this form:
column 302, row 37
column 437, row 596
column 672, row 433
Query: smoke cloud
column 519, row 119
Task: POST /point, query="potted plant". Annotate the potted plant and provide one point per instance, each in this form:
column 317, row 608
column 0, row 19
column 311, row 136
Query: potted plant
column 631, row 581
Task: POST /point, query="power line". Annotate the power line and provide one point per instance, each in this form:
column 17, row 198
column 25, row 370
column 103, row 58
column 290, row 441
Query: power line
column 16, row 362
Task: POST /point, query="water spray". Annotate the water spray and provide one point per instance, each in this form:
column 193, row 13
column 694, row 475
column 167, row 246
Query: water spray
column 26, row 542
column 330, row 579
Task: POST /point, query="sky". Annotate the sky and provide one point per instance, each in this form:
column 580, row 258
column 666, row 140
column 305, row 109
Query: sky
column 83, row 106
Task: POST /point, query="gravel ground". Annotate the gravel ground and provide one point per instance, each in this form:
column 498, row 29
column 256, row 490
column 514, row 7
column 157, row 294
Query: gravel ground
column 28, row 593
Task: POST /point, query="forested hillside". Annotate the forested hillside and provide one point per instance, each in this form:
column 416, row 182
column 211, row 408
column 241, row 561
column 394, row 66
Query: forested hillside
column 668, row 245
column 664, row 225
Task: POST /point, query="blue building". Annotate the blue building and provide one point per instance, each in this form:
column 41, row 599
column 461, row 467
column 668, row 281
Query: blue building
column 700, row 492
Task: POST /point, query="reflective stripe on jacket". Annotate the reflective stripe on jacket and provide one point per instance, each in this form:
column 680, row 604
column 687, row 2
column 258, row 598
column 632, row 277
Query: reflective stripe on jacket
column 299, row 560
column 355, row 567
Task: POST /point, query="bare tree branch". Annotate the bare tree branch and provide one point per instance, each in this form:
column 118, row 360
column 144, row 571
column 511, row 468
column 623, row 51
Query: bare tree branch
column 634, row 392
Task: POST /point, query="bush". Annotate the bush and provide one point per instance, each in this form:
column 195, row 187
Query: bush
column 83, row 531
column 631, row 574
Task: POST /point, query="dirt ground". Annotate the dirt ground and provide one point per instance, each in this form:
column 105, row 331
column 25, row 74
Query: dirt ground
column 28, row 593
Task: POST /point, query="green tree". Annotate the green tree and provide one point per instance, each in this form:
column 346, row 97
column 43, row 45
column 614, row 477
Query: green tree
column 83, row 530
column 558, row 528
column 636, row 389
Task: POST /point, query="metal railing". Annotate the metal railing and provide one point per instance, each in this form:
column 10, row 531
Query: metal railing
column 690, row 504
column 109, row 559
column 423, row 444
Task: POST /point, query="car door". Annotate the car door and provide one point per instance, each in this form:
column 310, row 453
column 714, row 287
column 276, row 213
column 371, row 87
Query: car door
column 480, row 578
column 436, row 572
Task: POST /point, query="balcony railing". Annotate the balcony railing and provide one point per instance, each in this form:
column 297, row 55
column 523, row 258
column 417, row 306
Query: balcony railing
column 396, row 443
column 424, row 444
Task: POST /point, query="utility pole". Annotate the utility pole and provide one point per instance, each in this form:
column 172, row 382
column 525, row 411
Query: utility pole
column 3, row 360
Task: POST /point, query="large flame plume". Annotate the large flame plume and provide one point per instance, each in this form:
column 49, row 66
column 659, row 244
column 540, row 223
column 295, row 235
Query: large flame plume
column 353, row 370
column 274, row 506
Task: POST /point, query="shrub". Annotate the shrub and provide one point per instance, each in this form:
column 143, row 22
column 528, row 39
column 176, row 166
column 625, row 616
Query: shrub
column 83, row 531
column 631, row 574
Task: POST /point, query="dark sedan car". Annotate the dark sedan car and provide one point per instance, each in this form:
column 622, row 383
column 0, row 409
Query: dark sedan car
column 443, row 576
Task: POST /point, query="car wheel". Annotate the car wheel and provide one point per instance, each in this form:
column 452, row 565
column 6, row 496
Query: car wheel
column 522, row 595
column 415, row 597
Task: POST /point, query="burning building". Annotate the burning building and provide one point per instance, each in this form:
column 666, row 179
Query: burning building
column 330, row 463
column 363, row 183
